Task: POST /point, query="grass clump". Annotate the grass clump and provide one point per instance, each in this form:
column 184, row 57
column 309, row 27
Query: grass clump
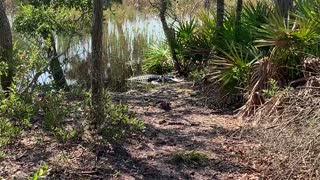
column 190, row 158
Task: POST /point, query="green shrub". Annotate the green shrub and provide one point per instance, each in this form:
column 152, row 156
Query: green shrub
column 7, row 132
column 197, row 77
column 232, row 70
column 193, row 45
column 17, row 108
column 15, row 113
column 272, row 90
column 119, row 122
column 158, row 60
column 54, row 108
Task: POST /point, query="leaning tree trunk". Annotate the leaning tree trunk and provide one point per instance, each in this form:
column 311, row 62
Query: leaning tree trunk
column 238, row 18
column 96, row 67
column 284, row 7
column 169, row 33
column 55, row 66
column 6, row 48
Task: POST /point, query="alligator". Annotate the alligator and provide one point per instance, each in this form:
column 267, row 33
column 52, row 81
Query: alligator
column 154, row 78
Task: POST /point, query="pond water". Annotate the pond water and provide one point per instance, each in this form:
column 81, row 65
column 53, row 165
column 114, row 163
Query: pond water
column 124, row 44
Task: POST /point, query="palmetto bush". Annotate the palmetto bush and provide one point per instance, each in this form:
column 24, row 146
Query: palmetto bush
column 286, row 43
column 268, row 46
column 158, row 60
column 193, row 46
column 234, row 56
column 232, row 69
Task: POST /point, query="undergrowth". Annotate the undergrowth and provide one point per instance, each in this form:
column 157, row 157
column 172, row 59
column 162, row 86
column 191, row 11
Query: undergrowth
column 119, row 122
column 190, row 158
column 287, row 127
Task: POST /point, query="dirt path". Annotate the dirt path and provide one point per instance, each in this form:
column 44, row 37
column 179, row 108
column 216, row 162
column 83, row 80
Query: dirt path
column 188, row 126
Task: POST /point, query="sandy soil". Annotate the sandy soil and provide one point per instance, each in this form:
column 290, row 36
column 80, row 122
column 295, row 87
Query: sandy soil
column 189, row 125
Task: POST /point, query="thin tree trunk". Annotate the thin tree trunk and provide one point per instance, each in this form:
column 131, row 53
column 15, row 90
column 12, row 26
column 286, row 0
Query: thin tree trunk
column 6, row 48
column 220, row 14
column 207, row 4
column 284, row 7
column 219, row 23
column 169, row 33
column 96, row 68
column 238, row 18
column 55, row 67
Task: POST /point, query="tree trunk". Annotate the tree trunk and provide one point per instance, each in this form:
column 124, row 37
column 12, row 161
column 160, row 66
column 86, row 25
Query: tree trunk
column 207, row 4
column 238, row 18
column 96, row 68
column 220, row 14
column 169, row 33
column 6, row 48
column 284, row 7
column 55, row 67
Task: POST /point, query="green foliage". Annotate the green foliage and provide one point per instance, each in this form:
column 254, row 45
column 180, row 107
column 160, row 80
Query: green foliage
column 289, row 41
column 2, row 154
column 234, row 67
column 273, row 90
column 44, row 21
column 119, row 122
column 7, row 132
column 197, row 76
column 255, row 15
column 76, row 4
column 190, row 158
column 17, row 108
column 3, row 67
column 15, row 113
column 158, row 60
column 65, row 135
column 54, row 109
column 40, row 174
column 193, row 47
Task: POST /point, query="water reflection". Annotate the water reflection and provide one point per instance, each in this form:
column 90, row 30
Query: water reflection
column 124, row 43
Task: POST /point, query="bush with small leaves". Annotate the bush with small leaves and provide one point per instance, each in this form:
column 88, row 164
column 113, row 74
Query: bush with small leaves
column 54, row 109
column 119, row 122
column 7, row 132
column 17, row 108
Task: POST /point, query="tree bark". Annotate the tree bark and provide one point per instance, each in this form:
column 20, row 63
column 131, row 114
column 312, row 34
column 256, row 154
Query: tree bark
column 55, row 66
column 284, row 7
column 207, row 4
column 238, row 18
column 96, row 67
column 220, row 14
column 6, row 48
column 169, row 33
